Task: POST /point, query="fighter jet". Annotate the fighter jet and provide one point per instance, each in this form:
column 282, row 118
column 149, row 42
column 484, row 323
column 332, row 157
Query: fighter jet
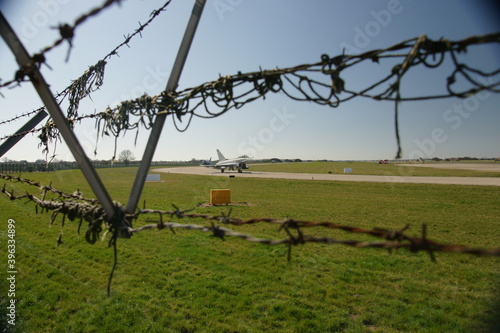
column 229, row 164
column 207, row 163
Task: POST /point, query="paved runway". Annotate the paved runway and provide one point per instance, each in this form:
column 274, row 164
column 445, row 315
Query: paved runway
column 486, row 181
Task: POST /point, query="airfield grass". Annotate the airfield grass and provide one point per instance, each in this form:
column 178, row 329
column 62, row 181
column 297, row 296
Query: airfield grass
column 192, row 282
column 371, row 168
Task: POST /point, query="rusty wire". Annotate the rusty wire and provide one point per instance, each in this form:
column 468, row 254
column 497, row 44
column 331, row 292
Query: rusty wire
column 66, row 32
column 90, row 81
column 393, row 239
column 25, row 114
column 76, row 207
column 73, row 207
column 414, row 244
column 319, row 82
column 84, row 83
column 47, row 188
column 212, row 99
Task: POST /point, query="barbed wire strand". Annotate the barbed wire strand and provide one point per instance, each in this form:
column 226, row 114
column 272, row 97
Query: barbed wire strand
column 220, row 94
column 25, row 114
column 92, row 79
column 212, row 99
column 75, row 206
column 67, row 32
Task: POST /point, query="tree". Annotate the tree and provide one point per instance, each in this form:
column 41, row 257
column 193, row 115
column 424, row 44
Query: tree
column 126, row 156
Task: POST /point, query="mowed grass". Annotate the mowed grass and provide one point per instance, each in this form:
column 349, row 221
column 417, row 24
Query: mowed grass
column 192, row 282
column 371, row 168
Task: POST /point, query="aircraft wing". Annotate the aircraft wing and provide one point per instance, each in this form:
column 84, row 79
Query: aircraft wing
column 227, row 164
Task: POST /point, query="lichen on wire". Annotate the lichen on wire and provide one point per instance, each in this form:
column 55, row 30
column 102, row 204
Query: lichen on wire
column 80, row 88
column 90, row 81
column 323, row 83
column 67, row 33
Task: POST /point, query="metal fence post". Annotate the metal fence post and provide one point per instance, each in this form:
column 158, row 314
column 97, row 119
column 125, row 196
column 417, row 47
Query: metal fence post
column 160, row 119
column 30, row 124
column 26, row 62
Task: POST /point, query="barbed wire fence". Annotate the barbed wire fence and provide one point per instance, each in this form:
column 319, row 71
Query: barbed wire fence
column 67, row 32
column 212, row 99
column 322, row 82
column 75, row 207
column 90, row 81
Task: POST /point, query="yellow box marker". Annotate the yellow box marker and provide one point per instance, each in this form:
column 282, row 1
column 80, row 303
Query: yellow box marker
column 220, row 197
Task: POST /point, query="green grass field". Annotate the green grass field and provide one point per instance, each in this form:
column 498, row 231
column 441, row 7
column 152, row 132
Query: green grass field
column 191, row 282
column 371, row 168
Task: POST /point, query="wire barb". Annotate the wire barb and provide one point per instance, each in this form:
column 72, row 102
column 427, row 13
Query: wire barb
column 300, row 83
column 75, row 206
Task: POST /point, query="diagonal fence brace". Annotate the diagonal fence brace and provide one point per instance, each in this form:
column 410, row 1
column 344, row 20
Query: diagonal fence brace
column 30, row 124
column 30, row 68
column 156, row 130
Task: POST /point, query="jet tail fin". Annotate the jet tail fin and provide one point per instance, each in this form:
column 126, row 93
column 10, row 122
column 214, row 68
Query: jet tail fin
column 221, row 157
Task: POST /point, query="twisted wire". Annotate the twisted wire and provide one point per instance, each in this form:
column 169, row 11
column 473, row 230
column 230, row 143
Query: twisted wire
column 90, row 81
column 75, row 206
column 300, row 83
column 26, row 114
column 214, row 98
column 67, row 33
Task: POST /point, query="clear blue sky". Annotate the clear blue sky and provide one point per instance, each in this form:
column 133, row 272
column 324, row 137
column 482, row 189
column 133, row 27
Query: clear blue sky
column 243, row 35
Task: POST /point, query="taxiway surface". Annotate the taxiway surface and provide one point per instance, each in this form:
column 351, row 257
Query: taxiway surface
column 198, row 170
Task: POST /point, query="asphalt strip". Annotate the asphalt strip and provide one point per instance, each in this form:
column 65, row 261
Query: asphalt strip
column 483, row 181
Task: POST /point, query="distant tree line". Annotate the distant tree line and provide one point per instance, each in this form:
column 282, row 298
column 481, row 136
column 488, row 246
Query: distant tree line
column 43, row 166
column 465, row 158
column 126, row 159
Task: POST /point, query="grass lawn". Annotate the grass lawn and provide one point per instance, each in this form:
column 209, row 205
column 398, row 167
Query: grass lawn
column 369, row 168
column 191, row 282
